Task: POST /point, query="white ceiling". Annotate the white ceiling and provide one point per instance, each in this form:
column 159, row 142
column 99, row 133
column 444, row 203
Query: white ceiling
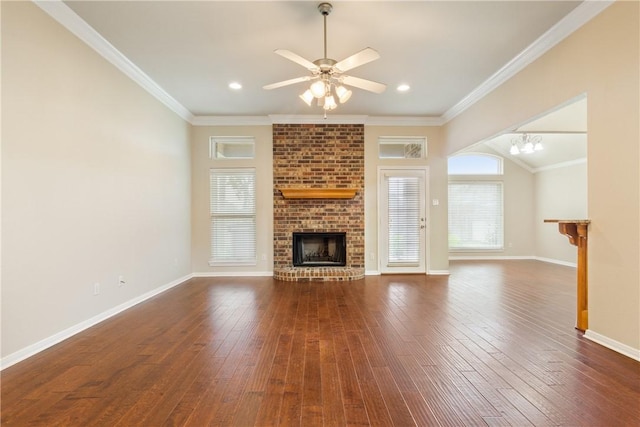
column 451, row 53
column 443, row 49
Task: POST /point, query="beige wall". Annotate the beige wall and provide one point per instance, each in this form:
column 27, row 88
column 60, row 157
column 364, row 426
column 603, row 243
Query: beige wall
column 559, row 193
column 437, row 259
column 263, row 162
column 95, row 183
column 201, row 164
column 601, row 59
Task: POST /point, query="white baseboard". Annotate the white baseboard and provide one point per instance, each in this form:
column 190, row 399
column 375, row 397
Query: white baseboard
column 430, row 272
column 487, row 257
column 557, row 261
column 501, row 257
column 41, row 345
column 438, row 272
column 233, row 274
column 612, row 344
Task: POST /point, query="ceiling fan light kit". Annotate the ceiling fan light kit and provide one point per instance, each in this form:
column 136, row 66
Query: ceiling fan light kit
column 328, row 75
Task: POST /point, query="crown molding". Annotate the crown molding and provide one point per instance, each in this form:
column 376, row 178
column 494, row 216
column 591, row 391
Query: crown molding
column 562, row 29
column 561, row 165
column 404, row 121
column 231, row 121
column 317, row 119
column 77, row 26
column 314, row 119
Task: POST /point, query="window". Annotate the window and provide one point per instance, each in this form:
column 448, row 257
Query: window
column 233, row 216
column 475, row 164
column 402, row 147
column 231, row 147
column 475, row 215
column 475, row 205
column 404, row 219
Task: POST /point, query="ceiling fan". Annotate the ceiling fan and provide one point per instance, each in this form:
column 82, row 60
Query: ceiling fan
column 328, row 74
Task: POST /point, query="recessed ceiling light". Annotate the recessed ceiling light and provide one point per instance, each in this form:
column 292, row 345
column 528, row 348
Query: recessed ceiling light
column 403, row 87
column 235, row 85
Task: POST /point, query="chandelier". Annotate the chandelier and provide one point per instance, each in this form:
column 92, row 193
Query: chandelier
column 526, row 144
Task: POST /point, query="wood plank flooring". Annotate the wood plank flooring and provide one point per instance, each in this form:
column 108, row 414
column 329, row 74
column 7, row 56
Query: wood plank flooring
column 491, row 345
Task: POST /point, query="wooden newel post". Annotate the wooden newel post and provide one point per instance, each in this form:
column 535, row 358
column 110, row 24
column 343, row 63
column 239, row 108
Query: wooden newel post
column 576, row 231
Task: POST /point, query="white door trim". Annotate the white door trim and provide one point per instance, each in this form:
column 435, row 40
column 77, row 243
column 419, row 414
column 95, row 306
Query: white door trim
column 427, row 231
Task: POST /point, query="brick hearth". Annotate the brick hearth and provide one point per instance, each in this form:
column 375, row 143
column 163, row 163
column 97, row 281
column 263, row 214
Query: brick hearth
column 318, row 156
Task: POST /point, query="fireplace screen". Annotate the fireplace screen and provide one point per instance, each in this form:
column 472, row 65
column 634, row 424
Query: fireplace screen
column 319, row 249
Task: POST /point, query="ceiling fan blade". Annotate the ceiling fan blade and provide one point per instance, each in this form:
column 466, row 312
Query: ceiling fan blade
column 363, row 57
column 287, row 82
column 369, row 85
column 296, row 58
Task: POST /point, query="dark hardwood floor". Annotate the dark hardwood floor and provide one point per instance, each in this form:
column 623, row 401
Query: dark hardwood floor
column 492, row 344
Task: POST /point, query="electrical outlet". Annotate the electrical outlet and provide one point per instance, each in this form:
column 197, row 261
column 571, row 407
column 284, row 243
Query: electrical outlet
column 96, row 288
column 121, row 281
column 264, row 257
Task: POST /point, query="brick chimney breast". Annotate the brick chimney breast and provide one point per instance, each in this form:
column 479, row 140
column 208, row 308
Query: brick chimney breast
column 318, row 156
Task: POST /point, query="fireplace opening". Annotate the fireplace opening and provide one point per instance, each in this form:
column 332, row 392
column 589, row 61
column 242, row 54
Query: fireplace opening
column 319, row 249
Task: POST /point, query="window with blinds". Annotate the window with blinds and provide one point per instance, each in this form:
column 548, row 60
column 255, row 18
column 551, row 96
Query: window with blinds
column 403, row 200
column 233, row 216
column 475, row 215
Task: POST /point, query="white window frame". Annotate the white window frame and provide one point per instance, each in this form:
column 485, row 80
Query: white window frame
column 410, row 144
column 499, row 246
column 499, row 161
column 231, row 140
column 246, row 219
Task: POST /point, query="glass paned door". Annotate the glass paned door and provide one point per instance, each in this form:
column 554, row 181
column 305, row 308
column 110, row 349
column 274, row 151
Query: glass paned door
column 403, row 221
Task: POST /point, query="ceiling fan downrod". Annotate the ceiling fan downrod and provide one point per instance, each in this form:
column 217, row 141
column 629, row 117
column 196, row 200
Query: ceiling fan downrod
column 325, row 10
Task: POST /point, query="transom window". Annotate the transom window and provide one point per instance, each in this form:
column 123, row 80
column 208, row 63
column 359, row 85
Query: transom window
column 231, row 147
column 475, row 164
column 402, row 147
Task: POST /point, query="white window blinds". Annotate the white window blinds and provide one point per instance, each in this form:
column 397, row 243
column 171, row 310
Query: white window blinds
column 475, row 216
column 404, row 219
column 233, row 216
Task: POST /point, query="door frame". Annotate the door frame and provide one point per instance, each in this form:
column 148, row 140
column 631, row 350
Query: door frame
column 380, row 229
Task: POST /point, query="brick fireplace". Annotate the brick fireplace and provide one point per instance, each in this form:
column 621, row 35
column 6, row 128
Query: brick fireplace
column 323, row 159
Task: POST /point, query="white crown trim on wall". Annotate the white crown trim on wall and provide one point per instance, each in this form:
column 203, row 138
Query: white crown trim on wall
column 404, row 121
column 231, row 121
column 561, row 165
column 579, row 16
column 336, row 119
column 77, row 26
